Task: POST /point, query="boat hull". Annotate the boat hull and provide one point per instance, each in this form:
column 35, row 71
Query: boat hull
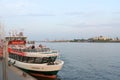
column 41, row 74
column 38, row 73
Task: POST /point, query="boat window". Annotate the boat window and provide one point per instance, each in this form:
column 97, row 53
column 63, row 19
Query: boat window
column 12, row 55
column 38, row 60
column 17, row 57
column 30, row 59
column 24, row 59
column 44, row 60
column 20, row 58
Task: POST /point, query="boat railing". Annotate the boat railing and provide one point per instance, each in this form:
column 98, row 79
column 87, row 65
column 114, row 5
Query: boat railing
column 44, row 50
column 37, row 50
column 57, row 62
column 34, row 50
column 54, row 51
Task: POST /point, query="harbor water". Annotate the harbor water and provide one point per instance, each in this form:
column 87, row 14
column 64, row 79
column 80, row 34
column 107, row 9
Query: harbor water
column 89, row 61
column 86, row 61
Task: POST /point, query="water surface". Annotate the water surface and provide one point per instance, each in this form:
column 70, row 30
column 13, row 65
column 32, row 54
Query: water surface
column 89, row 61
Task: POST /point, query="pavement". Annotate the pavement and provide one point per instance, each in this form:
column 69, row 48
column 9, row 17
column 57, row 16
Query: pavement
column 14, row 74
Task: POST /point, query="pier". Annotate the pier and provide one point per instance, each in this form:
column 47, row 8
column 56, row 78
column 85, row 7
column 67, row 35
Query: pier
column 15, row 73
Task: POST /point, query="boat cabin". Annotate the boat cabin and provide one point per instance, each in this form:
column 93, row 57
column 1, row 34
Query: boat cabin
column 36, row 60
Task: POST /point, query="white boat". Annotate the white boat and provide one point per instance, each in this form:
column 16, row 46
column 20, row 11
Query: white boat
column 37, row 61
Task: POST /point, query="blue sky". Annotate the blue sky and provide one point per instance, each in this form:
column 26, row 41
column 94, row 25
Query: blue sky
column 62, row 19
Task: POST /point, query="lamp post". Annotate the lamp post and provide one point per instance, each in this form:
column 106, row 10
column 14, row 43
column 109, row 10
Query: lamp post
column 5, row 60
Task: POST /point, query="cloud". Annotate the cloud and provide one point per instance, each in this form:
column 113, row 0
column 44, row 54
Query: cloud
column 74, row 13
column 22, row 8
column 99, row 25
column 90, row 24
column 117, row 12
column 39, row 14
column 11, row 8
column 30, row 15
column 93, row 14
column 86, row 13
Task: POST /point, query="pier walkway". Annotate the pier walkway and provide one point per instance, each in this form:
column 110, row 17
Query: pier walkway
column 15, row 74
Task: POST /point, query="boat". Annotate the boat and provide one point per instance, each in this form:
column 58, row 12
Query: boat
column 39, row 61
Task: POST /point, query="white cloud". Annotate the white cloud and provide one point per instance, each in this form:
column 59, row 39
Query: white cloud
column 16, row 7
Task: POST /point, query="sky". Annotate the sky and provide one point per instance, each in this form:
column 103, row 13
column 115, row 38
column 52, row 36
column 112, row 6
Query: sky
column 61, row 19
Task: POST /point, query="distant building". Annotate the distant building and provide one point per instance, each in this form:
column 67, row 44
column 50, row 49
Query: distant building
column 100, row 38
column 116, row 39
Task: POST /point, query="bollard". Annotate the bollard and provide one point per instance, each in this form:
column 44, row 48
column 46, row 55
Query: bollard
column 24, row 74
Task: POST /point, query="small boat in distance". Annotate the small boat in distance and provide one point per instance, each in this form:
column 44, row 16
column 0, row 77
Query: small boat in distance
column 37, row 61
